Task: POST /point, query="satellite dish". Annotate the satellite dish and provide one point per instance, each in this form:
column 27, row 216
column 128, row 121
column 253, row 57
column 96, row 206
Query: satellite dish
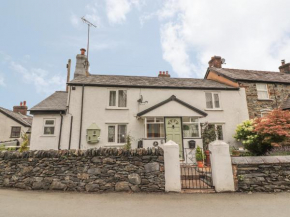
column 223, row 61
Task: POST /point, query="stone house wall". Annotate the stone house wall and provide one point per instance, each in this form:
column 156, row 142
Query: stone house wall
column 93, row 170
column 262, row 174
column 277, row 95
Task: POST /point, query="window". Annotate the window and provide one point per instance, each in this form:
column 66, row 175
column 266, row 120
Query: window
column 154, row 127
column 15, row 132
column 212, row 100
column 265, row 112
column 262, row 91
column 218, row 129
column 49, row 125
column 190, row 127
column 120, row 136
column 118, row 98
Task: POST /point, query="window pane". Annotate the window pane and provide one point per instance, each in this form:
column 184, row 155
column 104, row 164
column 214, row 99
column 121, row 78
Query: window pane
column 216, row 100
column 48, row 130
column 112, row 101
column 190, row 130
column 155, row 130
column 219, row 129
column 111, row 134
column 263, row 95
column 261, row 86
column 15, row 132
column 185, row 119
column 159, row 120
column 194, row 119
column 122, row 133
column 49, row 122
column 150, row 120
column 122, row 98
column 208, row 97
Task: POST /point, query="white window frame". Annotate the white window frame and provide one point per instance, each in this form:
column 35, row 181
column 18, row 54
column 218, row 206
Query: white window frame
column 116, row 133
column 262, row 90
column 265, row 112
column 192, row 122
column 213, row 102
column 155, row 122
column 117, row 99
column 49, row 125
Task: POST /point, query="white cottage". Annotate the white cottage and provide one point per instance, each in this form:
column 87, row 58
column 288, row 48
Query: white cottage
column 101, row 110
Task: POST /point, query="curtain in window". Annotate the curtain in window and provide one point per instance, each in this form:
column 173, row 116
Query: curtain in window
column 209, row 103
column 111, row 134
column 155, row 130
column 122, row 98
column 112, row 98
column 122, row 133
column 48, row 130
column 216, row 100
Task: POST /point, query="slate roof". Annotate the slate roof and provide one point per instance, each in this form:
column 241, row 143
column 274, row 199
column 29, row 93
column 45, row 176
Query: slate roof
column 148, row 82
column 25, row 120
column 55, row 102
column 252, row 75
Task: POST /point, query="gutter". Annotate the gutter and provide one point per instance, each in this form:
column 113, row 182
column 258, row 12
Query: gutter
column 71, row 122
column 81, row 122
column 59, row 139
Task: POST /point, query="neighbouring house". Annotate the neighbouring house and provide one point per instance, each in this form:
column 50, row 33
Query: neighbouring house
column 14, row 123
column 103, row 110
column 265, row 90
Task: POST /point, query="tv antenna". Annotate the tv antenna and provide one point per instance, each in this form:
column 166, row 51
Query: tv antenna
column 89, row 25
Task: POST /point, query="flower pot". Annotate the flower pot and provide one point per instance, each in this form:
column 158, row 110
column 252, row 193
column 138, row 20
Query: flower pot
column 236, row 153
column 207, row 157
column 199, row 164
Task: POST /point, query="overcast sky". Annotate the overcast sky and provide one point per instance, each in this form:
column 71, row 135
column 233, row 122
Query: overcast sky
column 134, row 37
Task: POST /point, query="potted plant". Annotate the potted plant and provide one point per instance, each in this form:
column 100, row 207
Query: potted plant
column 199, row 156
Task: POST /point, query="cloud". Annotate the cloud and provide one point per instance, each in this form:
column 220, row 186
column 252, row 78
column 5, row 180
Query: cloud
column 248, row 34
column 2, row 83
column 40, row 78
column 118, row 9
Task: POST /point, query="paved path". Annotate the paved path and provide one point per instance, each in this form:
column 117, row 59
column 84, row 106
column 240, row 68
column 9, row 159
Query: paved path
column 14, row 203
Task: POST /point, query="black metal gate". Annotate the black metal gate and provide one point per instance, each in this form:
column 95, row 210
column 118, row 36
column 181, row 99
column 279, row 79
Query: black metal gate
column 194, row 177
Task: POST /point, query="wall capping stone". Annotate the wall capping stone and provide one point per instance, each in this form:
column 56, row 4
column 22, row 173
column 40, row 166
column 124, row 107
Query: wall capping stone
column 260, row 160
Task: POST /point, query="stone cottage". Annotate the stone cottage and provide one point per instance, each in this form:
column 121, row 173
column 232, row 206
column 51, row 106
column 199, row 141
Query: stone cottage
column 265, row 90
column 103, row 110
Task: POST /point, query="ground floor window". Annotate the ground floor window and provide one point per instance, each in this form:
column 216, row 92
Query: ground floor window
column 117, row 133
column 216, row 128
column 154, row 127
column 49, row 126
column 15, row 132
column 190, row 127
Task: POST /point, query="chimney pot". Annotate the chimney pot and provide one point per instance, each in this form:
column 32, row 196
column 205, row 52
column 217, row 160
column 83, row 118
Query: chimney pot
column 83, row 50
column 24, row 103
column 283, row 62
column 164, row 74
column 20, row 103
column 160, row 72
column 216, row 61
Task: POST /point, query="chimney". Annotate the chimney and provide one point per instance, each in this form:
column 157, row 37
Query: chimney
column 82, row 64
column 163, row 74
column 216, row 61
column 22, row 108
column 285, row 67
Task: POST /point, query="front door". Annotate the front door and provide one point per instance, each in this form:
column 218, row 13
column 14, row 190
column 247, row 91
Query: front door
column 173, row 132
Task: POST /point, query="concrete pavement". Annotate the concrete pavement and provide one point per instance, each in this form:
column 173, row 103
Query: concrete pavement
column 15, row 203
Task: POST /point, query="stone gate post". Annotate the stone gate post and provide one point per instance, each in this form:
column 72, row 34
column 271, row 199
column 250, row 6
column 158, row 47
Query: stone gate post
column 221, row 165
column 172, row 167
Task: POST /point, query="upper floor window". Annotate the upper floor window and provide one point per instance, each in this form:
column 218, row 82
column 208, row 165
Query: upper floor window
column 15, row 132
column 49, row 126
column 212, row 100
column 262, row 91
column 118, row 98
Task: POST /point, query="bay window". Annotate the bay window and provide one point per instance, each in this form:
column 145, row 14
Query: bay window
column 118, row 98
column 191, row 128
column 154, row 127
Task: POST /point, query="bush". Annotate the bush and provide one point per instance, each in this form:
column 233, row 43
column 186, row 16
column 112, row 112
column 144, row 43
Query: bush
column 24, row 145
column 128, row 144
column 279, row 151
column 199, row 154
column 251, row 140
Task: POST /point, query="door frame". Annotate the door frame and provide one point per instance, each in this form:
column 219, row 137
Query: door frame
column 181, row 127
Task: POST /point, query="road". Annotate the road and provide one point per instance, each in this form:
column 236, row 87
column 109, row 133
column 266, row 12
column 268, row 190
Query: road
column 15, row 203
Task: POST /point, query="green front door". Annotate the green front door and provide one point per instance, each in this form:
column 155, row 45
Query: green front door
column 173, row 130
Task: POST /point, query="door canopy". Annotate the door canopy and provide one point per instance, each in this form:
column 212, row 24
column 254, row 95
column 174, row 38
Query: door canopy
column 172, row 107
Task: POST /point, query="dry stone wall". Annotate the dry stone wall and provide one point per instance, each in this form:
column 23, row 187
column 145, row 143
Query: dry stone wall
column 94, row 170
column 262, row 174
column 277, row 93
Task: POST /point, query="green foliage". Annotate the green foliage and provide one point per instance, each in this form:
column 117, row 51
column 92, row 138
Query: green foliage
column 24, row 145
column 2, row 147
column 252, row 141
column 128, row 144
column 199, row 154
column 208, row 135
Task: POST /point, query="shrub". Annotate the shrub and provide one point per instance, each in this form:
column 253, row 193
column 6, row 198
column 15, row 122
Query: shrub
column 128, row 144
column 24, row 145
column 279, row 151
column 199, row 154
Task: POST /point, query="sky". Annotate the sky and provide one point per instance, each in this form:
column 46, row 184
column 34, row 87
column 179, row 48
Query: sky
column 134, row 37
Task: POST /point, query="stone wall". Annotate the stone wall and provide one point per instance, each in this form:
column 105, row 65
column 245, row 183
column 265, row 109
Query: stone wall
column 262, row 174
column 94, row 170
column 277, row 96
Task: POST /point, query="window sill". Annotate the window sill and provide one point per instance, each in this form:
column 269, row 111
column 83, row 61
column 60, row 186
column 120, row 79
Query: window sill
column 213, row 109
column 191, row 137
column 159, row 138
column 15, row 137
column 114, row 145
column 48, row 136
column 116, row 108
column 265, row 100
